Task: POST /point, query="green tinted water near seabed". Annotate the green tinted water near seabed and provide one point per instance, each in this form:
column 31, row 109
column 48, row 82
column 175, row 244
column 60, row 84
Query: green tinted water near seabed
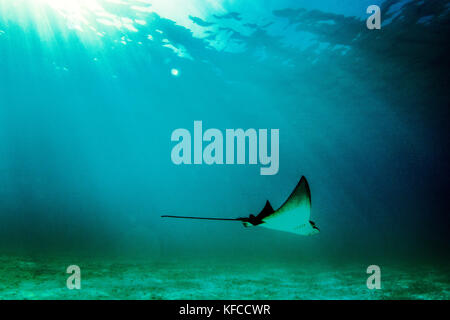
column 45, row 278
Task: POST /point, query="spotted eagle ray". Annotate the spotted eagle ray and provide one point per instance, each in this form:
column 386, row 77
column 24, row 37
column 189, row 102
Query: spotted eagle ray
column 293, row 215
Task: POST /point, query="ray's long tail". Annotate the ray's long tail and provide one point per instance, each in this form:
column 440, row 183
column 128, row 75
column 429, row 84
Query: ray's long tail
column 201, row 218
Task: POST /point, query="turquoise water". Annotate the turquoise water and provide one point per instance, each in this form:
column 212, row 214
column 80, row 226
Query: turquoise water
column 91, row 92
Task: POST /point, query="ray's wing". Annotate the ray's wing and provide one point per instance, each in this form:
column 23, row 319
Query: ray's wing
column 294, row 213
column 266, row 211
column 299, row 198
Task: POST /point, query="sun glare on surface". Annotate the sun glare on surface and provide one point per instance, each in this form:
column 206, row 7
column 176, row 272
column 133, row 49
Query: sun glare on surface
column 121, row 22
column 86, row 14
column 76, row 12
column 127, row 15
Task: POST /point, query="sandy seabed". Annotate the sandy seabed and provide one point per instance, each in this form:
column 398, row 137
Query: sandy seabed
column 27, row 278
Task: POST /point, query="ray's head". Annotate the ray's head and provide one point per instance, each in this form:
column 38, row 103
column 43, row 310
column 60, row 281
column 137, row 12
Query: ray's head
column 315, row 229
